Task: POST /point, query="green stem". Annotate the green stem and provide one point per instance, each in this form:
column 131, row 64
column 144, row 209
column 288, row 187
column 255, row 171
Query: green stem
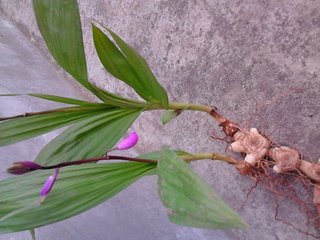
column 179, row 105
column 33, row 234
column 212, row 156
column 190, row 106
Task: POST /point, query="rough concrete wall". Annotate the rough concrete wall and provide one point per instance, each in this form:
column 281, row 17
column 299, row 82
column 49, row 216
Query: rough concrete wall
column 257, row 61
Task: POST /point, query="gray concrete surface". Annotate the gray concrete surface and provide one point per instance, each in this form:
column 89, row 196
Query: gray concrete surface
column 257, row 61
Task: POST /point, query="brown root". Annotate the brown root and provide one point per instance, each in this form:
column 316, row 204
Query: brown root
column 288, row 187
column 243, row 168
column 286, row 159
column 311, row 170
column 316, row 197
column 229, row 128
column 282, row 171
column 252, row 143
column 279, row 169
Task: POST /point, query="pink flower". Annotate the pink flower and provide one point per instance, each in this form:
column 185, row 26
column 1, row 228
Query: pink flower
column 128, row 142
column 47, row 186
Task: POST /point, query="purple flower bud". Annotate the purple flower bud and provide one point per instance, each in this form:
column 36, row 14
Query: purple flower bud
column 19, row 168
column 47, row 186
column 128, row 142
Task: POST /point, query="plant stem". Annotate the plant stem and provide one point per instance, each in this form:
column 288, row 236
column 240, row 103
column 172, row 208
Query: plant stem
column 191, row 106
column 93, row 160
column 187, row 158
column 33, row 234
column 212, row 156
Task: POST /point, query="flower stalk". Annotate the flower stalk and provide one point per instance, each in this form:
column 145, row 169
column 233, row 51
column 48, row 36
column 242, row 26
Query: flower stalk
column 187, row 158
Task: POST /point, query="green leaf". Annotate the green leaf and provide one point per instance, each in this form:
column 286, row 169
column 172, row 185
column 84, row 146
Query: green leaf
column 60, row 26
column 77, row 189
column 65, row 100
column 189, row 200
column 168, row 115
column 156, row 155
column 108, row 98
column 111, row 100
column 55, row 98
column 22, row 128
column 128, row 66
column 89, row 138
column 119, row 101
column 11, row 95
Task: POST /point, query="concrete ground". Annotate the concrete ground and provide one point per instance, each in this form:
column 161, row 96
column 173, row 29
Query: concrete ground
column 257, row 61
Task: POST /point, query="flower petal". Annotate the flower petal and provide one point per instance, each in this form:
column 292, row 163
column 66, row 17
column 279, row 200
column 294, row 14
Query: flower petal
column 47, row 186
column 128, row 142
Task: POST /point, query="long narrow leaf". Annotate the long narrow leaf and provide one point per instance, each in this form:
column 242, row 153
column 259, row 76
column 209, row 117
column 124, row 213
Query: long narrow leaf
column 65, row 100
column 77, row 189
column 55, row 98
column 19, row 129
column 60, row 26
column 128, row 66
column 109, row 99
column 154, row 91
column 119, row 101
column 89, row 138
column 189, row 200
